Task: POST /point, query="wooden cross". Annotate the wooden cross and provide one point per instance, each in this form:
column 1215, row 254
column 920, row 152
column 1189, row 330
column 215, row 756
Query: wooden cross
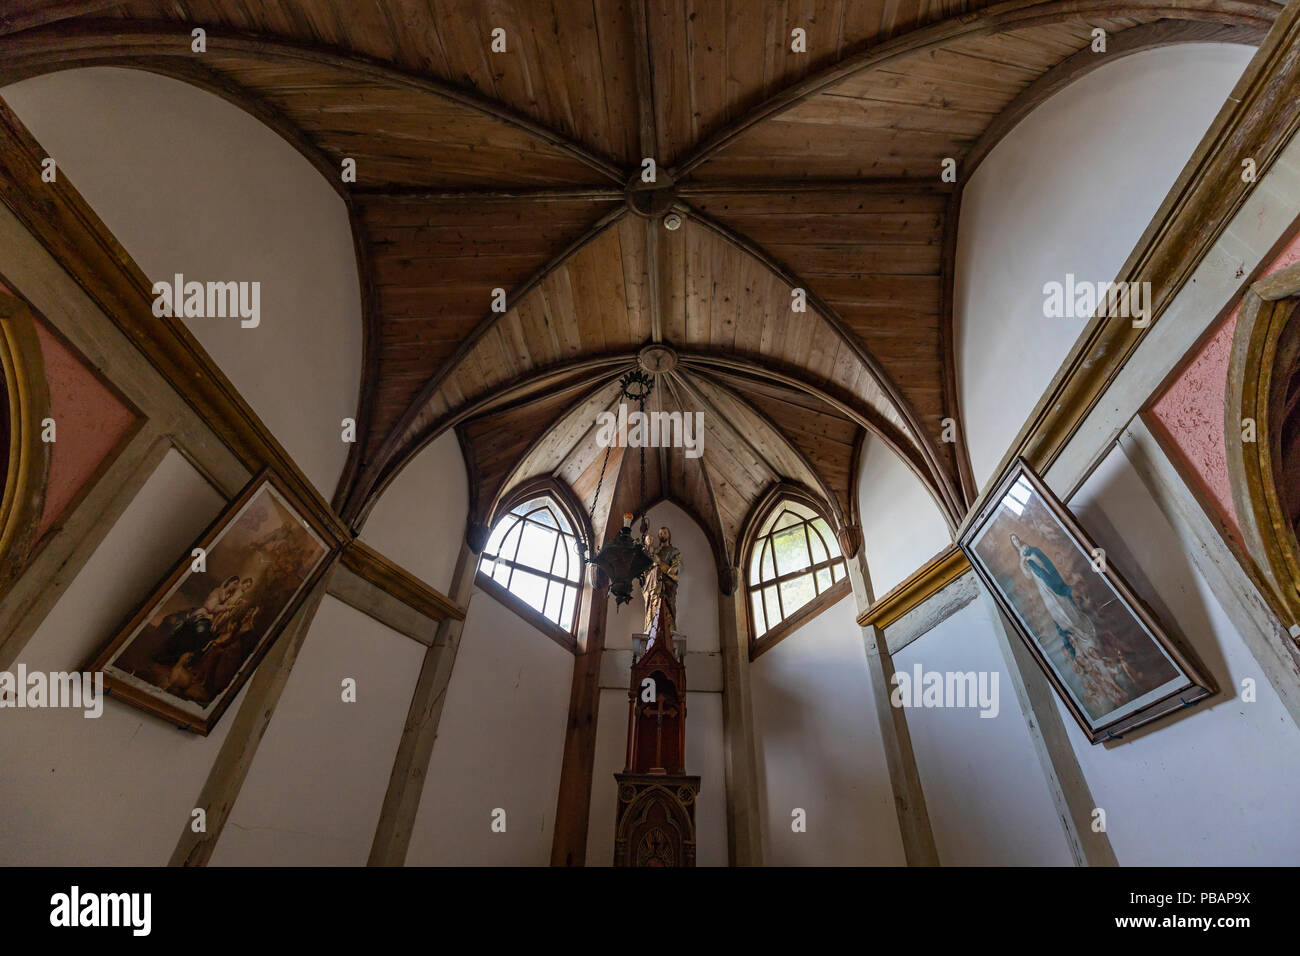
column 659, row 710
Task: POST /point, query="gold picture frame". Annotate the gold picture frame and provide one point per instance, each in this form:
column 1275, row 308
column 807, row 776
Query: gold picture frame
column 1104, row 651
column 189, row 648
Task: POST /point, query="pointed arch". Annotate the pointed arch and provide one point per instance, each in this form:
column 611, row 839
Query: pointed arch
column 791, row 563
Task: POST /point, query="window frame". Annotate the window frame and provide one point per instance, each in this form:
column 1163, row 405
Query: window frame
column 760, row 537
column 571, row 523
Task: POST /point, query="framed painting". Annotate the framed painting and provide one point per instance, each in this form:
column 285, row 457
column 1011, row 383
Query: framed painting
column 186, row 652
column 1102, row 648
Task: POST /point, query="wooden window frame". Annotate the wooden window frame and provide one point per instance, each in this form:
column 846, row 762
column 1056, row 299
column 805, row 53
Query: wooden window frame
column 502, row 592
column 752, row 582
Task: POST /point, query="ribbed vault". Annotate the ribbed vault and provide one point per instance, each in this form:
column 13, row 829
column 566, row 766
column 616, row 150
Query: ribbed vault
column 810, row 176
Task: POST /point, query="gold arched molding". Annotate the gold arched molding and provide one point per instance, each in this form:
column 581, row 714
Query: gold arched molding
column 1264, row 372
column 26, row 405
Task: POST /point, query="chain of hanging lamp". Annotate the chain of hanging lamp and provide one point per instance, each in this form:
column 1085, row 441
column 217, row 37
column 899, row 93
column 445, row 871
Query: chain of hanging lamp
column 635, row 386
column 625, row 559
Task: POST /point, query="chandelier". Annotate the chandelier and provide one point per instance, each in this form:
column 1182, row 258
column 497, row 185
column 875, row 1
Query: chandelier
column 625, row 559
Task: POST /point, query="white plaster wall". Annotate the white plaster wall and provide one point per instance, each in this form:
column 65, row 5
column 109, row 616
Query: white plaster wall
column 117, row 790
column 697, row 618
column 189, row 183
column 819, row 748
column 984, row 786
column 611, row 752
column 500, row 745
column 314, row 792
column 419, row 520
column 902, row 526
column 1069, row 190
column 1215, row 786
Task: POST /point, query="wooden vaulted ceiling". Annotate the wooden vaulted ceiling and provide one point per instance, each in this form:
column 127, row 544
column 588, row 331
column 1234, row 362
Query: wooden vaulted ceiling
column 479, row 171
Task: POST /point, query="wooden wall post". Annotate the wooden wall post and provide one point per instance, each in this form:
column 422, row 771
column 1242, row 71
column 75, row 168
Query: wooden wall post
column 904, row 777
column 744, row 823
column 573, row 802
column 1064, row 776
column 226, row 777
column 414, row 751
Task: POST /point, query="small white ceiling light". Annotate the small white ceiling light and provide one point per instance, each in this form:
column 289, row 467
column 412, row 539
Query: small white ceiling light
column 672, row 221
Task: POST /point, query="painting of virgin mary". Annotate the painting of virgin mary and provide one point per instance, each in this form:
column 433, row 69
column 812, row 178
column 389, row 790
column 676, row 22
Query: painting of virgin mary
column 1101, row 648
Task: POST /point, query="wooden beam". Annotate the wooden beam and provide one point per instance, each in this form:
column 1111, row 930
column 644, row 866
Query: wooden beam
column 573, row 802
column 419, row 195
column 63, row 222
column 914, row 829
column 368, row 564
column 16, row 15
column 518, row 392
column 948, row 345
column 1061, row 771
column 713, row 529
column 744, row 811
column 576, row 427
column 126, row 39
column 1257, row 121
column 65, row 552
column 367, row 597
column 197, row 75
column 647, row 131
column 415, row 749
column 832, row 503
column 391, row 444
column 654, row 276
column 943, row 483
column 916, row 588
column 1125, row 43
column 1000, row 18
column 848, row 406
column 1147, row 36
column 226, row 777
column 870, row 186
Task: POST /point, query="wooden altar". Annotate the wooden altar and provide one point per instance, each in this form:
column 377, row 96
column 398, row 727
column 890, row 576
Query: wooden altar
column 655, row 816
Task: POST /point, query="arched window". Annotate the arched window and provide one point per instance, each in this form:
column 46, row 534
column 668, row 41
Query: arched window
column 795, row 559
column 532, row 553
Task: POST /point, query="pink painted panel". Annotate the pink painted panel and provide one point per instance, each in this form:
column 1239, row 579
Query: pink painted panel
column 1190, row 411
column 89, row 419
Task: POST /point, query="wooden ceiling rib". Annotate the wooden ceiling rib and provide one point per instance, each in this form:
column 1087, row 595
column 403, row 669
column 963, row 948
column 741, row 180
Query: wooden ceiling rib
column 479, row 170
column 566, row 65
column 435, row 266
column 903, row 117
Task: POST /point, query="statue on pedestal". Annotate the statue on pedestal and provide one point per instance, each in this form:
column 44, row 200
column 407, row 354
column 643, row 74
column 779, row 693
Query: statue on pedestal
column 655, row 819
column 660, row 587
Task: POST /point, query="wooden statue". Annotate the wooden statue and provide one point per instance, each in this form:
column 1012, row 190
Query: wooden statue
column 655, row 823
column 660, row 588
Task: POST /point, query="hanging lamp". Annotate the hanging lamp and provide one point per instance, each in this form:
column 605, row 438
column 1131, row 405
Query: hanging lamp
column 625, row 559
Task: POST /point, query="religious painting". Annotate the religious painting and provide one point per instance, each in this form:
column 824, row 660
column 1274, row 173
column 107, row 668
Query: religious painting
column 1101, row 647
column 188, row 650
